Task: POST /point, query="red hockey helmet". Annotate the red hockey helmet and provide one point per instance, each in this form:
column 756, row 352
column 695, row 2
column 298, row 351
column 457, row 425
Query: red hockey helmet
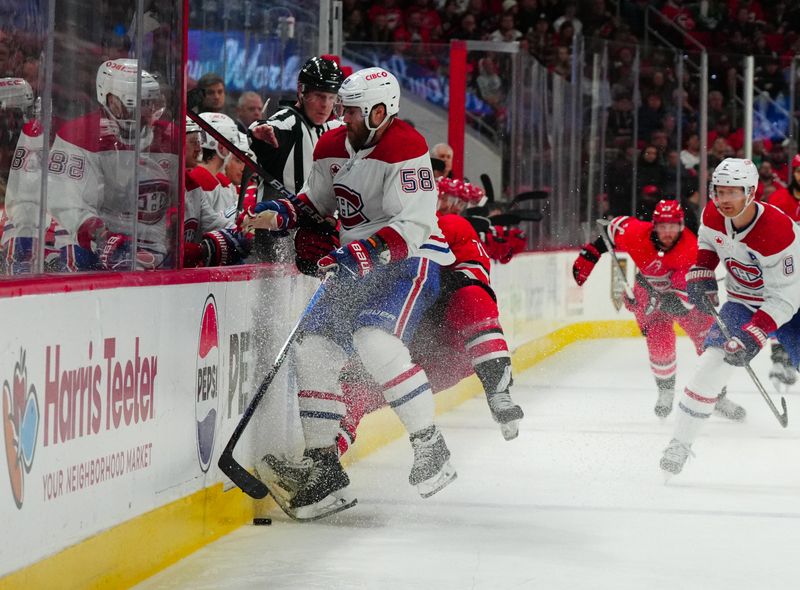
column 452, row 196
column 449, row 187
column 473, row 194
column 668, row 212
column 796, row 161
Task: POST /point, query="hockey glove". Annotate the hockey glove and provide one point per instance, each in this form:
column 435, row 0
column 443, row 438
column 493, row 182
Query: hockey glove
column 277, row 215
column 584, row 263
column 310, row 246
column 115, row 252
column 223, row 247
column 356, row 259
column 672, row 305
column 740, row 351
column 701, row 286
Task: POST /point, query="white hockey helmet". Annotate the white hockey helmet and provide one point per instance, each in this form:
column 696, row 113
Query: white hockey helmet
column 16, row 93
column 224, row 125
column 191, row 126
column 244, row 144
column 370, row 87
column 118, row 77
column 735, row 172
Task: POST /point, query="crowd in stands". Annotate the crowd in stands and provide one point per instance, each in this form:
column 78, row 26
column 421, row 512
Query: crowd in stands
column 641, row 128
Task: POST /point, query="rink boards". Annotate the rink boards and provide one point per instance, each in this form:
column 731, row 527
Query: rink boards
column 118, row 401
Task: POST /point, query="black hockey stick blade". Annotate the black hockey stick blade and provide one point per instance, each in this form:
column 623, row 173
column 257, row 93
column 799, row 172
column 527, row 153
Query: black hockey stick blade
column 515, row 217
column 486, row 180
column 246, row 481
column 481, row 211
column 784, row 418
column 481, row 224
column 530, row 196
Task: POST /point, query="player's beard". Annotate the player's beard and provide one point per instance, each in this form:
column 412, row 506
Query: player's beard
column 357, row 135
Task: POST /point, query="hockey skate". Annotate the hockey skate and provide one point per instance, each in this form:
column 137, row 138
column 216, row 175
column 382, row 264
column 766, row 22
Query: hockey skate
column 324, row 491
column 664, row 402
column 782, row 374
column 506, row 413
column 431, row 470
column 675, row 456
column 728, row 409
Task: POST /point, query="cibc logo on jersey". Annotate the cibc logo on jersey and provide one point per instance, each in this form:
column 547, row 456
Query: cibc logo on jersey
column 207, row 389
column 749, row 275
column 351, row 206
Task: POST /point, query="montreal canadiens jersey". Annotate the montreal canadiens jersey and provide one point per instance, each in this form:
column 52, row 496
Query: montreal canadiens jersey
column 92, row 174
column 761, row 259
column 387, row 185
column 471, row 257
column 198, row 216
column 665, row 271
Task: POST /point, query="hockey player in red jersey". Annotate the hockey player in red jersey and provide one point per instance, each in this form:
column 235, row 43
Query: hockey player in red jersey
column 663, row 250
column 376, row 173
column 759, row 246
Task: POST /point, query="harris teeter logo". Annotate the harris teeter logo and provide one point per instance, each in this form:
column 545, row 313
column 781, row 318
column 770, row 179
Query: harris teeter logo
column 207, row 385
column 20, row 427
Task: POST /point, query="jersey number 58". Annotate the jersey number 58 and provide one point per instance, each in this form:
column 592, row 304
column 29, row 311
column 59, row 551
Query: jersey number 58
column 413, row 180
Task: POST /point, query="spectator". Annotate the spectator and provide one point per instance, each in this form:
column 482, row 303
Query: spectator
column 430, row 21
column 769, row 78
column 690, row 154
column 711, row 15
column 649, row 170
column 761, row 149
column 506, row 30
column 735, row 138
column 650, row 115
column 690, row 201
column 569, row 16
column 618, row 183
column 598, row 21
column 720, row 149
column 660, row 140
column 539, row 45
column 619, row 132
column 669, row 126
column 355, row 27
column 716, row 108
column 528, row 14
column 468, row 30
column 410, row 36
column 390, row 10
column 768, row 180
column 562, row 65
column 490, row 85
column 450, row 19
column 565, row 34
column 649, row 196
column 675, row 12
column 381, row 32
column 780, row 164
column 213, row 87
column 746, row 10
column 248, row 109
column 443, row 152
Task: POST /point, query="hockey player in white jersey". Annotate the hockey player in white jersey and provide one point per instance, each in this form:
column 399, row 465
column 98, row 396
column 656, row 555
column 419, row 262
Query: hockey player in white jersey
column 92, row 170
column 213, row 161
column 760, row 248
column 376, row 172
column 19, row 245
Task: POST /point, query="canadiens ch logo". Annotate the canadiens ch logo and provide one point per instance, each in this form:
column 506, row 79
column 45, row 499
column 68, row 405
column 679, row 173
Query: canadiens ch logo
column 749, row 275
column 21, row 427
column 350, row 206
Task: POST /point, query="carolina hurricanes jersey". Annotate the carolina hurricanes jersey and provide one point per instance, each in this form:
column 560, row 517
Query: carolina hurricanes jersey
column 92, row 174
column 471, row 258
column 760, row 259
column 198, row 216
column 389, row 185
column 665, row 271
column 783, row 200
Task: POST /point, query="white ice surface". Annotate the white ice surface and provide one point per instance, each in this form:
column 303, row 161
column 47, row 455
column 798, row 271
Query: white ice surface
column 576, row 502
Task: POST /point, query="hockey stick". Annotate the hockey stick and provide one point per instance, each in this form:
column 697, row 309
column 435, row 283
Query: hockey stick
column 783, row 418
column 276, row 184
column 603, row 223
column 530, row 196
column 249, row 483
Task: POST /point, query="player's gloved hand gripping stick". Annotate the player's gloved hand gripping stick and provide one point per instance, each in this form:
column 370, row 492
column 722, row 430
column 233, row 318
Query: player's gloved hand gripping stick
column 248, row 483
column 783, row 418
column 603, row 223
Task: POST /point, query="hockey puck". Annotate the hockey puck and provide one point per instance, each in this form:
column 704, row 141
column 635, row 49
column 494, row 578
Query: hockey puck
column 262, row 521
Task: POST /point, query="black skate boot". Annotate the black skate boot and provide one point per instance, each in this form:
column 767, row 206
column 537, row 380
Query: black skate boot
column 323, row 492
column 675, row 456
column 431, row 470
column 506, row 413
column 782, row 374
column 727, row 409
column 289, row 475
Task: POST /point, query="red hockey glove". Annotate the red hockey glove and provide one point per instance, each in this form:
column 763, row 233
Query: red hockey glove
column 356, row 259
column 584, row 263
column 311, row 245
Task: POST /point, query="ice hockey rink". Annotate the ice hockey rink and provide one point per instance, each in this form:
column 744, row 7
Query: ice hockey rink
column 577, row 501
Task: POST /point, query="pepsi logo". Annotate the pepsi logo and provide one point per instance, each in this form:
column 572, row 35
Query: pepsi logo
column 207, row 385
column 748, row 275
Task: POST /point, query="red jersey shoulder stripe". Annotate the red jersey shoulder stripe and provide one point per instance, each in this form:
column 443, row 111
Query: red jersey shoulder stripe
column 206, row 180
column 712, row 218
column 331, row 144
column 772, row 233
column 400, row 142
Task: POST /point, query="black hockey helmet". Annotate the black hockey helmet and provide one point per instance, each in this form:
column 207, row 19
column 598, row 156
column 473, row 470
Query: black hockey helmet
column 320, row 74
